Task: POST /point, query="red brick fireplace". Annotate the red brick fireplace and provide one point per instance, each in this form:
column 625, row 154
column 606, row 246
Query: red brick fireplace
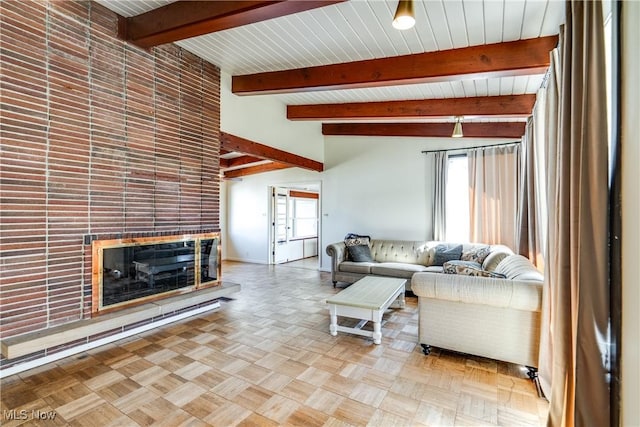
column 100, row 139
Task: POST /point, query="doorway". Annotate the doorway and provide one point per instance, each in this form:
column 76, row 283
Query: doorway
column 295, row 223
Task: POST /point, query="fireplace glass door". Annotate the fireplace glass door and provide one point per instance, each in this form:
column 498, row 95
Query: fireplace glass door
column 140, row 269
column 209, row 260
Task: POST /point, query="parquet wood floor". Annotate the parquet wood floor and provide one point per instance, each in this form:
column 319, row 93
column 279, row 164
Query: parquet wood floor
column 266, row 358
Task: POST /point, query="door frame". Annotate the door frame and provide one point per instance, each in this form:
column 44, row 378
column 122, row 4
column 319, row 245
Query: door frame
column 311, row 186
column 274, row 243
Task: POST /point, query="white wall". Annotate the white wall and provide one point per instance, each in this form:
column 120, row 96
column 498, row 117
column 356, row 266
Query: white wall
column 374, row 186
column 630, row 359
column 263, row 119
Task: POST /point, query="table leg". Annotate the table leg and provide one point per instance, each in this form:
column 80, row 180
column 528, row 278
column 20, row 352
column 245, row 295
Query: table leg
column 377, row 326
column 377, row 333
column 333, row 326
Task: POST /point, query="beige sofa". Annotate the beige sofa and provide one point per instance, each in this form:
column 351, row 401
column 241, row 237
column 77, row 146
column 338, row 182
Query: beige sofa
column 393, row 258
column 490, row 317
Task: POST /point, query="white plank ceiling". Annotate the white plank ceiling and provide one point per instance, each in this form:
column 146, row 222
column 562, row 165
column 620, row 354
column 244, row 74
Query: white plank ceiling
column 361, row 29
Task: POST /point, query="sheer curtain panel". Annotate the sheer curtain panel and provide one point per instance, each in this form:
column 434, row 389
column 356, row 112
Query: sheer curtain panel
column 493, row 194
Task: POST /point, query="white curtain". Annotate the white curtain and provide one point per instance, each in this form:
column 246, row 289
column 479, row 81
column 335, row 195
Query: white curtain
column 493, row 194
column 438, row 162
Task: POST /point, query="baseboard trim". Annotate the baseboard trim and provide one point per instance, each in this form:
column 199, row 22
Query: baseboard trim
column 247, row 260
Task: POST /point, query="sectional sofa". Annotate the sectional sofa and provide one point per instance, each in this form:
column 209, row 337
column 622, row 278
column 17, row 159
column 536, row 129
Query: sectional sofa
column 490, row 309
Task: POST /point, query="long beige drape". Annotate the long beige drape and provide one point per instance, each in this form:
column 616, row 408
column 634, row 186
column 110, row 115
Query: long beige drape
column 493, row 196
column 549, row 116
column 575, row 307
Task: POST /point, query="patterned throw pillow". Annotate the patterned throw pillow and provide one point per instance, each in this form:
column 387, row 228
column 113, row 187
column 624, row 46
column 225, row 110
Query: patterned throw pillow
column 451, row 267
column 477, row 255
column 469, row 268
column 358, row 247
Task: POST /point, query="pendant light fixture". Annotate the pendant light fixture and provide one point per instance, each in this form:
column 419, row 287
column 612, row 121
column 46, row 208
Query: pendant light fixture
column 457, row 129
column 404, row 18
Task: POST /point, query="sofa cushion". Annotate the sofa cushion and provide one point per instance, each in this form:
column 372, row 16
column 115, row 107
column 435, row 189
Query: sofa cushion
column 476, row 254
column 356, row 267
column 517, row 267
column 446, row 253
column 358, row 247
column 469, row 268
column 397, row 269
column 493, row 259
column 404, row 251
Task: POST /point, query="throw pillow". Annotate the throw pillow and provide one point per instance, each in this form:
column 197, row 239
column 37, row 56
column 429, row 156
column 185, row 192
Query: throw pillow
column 451, row 267
column 360, row 253
column 477, row 255
column 445, row 253
column 358, row 247
column 469, row 269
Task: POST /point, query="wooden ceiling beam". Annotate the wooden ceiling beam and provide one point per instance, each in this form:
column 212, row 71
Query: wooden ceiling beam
column 238, row 161
column 433, row 130
column 522, row 57
column 491, row 106
column 235, row 143
column 252, row 170
column 185, row 19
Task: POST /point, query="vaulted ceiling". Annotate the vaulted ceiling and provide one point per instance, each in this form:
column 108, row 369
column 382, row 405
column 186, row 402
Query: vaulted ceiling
column 342, row 63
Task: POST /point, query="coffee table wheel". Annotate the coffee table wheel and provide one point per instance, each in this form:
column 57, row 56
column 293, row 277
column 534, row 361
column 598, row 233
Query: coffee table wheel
column 426, row 349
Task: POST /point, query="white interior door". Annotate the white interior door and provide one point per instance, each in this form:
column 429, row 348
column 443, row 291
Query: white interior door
column 280, row 240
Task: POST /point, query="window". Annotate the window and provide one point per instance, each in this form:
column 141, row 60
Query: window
column 303, row 214
column 457, row 209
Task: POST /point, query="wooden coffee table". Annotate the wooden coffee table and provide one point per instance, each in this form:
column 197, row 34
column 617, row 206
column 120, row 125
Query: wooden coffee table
column 367, row 299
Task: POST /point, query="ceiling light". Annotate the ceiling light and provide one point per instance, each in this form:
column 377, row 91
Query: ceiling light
column 404, row 18
column 457, row 129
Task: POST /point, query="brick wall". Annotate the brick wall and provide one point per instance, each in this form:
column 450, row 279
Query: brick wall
column 97, row 137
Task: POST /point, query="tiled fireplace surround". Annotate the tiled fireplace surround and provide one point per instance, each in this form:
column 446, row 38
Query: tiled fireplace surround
column 101, row 139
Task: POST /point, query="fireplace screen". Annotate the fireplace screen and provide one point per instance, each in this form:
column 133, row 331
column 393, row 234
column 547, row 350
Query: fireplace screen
column 137, row 270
